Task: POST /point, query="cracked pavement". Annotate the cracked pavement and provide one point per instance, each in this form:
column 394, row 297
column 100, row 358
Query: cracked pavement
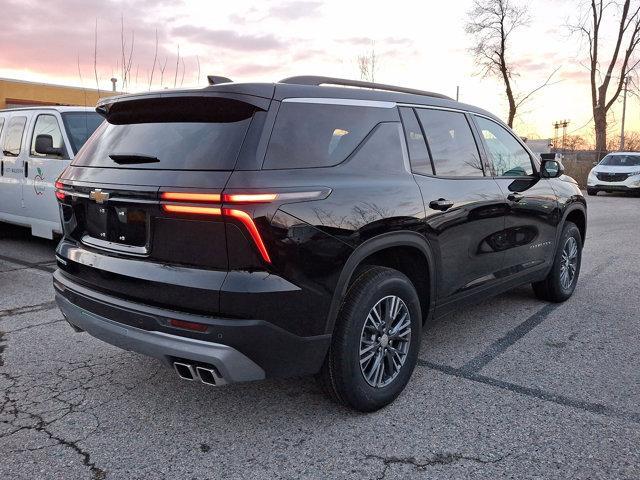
column 510, row 388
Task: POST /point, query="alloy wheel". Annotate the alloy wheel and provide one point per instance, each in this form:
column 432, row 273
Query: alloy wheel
column 568, row 263
column 384, row 341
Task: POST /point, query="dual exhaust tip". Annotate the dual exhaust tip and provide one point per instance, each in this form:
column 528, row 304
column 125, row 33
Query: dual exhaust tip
column 207, row 375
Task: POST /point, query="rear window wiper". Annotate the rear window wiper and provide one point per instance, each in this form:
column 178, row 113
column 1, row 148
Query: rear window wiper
column 131, row 158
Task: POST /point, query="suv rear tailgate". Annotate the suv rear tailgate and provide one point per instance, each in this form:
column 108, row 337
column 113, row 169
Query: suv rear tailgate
column 120, row 237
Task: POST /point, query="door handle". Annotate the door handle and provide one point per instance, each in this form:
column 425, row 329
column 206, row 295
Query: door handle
column 2, row 168
column 441, row 204
column 26, row 169
column 514, row 197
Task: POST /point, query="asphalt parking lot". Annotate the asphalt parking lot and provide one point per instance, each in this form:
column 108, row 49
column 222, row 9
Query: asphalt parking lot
column 510, row 388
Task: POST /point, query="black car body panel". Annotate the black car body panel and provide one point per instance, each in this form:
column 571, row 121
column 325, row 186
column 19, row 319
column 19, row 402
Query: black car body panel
column 267, row 277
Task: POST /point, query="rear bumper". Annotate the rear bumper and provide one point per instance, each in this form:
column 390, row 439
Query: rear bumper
column 233, row 365
column 241, row 350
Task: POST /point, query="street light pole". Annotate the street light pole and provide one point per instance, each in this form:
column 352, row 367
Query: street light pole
column 624, row 112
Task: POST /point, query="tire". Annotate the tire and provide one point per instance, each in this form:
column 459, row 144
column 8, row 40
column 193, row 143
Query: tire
column 342, row 376
column 592, row 191
column 557, row 287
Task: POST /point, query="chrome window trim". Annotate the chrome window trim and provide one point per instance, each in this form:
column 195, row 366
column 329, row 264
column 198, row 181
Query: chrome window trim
column 341, row 101
column 435, row 107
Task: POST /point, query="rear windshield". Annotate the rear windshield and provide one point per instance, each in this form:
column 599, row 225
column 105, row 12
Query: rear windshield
column 318, row 135
column 169, row 135
column 621, row 160
column 80, row 126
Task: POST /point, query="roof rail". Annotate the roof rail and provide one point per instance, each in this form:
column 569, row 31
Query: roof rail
column 319, row 80
column 215, row 80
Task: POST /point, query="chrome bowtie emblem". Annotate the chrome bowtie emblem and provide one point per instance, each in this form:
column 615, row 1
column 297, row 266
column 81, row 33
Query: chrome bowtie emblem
column 98, row 195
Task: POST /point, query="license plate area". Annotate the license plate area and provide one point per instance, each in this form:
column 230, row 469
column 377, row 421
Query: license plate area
column 117, row 225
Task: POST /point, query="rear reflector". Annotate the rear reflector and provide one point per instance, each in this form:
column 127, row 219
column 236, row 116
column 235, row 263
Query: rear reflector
column 196, row 327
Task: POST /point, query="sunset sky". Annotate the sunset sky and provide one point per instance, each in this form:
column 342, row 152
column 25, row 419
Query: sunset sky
column 420, row 44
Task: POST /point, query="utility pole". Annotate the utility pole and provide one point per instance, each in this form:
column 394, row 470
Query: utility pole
column 457, row 93
column 556, row 126
column 624, row 111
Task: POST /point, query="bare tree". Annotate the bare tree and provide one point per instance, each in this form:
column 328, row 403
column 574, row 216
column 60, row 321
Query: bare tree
column 155, row 58
column 126, row 59
column 175, row 78
column 95, row 56
column 621, row 63
column 631, row 142
column 491, row 24
column 164, row 66
column 367, row 64
column 84, row 91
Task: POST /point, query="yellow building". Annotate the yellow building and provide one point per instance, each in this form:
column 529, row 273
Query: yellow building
column 18, row 93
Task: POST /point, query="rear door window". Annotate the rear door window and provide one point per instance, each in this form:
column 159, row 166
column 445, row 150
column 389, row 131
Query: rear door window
column 13, row 137
column 170, row 134
column 450, row 141
column 309, row 135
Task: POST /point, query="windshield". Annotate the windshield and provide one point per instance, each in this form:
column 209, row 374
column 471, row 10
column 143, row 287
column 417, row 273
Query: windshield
column 80, row 126
column 621, row 160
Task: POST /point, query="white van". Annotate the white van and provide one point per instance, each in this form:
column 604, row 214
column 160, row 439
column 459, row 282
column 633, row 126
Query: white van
column 37, row 145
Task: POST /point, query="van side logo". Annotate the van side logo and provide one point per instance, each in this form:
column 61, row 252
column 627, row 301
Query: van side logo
column 98, row 195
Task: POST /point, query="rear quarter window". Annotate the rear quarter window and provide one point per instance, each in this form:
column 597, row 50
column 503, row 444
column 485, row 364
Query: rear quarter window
column 307, row 135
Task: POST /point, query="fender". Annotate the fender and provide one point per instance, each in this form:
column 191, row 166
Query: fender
column 575, row 205
column 373, row 245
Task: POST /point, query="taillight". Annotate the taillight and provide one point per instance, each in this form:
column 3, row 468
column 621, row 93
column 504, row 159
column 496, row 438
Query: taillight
column 201, row 204
column 189, row 209
column 249, row 197
column 198, row 207
column 59, row 194
column 250, row 225
column 191, row 197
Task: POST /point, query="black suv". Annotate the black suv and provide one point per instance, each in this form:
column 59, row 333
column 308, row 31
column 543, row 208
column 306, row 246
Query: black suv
column 244, row 231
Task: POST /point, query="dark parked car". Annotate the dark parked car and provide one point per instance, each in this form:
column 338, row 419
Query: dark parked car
column 244, row 231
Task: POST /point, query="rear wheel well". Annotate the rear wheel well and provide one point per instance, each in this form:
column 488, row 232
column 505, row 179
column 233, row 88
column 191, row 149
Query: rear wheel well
column 577, row 217
column 408, row 260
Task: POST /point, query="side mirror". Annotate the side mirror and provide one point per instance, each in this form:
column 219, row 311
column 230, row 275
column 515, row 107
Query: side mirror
column 44, row 146
column 551, row 168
